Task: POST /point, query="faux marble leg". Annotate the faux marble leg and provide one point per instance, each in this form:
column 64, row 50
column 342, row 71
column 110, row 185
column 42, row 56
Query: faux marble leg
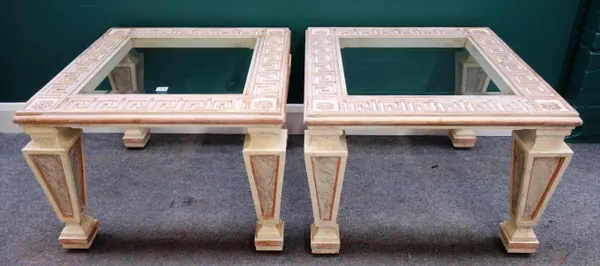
column 56, row 157
column 325, row 155
column 539, row 159
column 128, row 77
column 264, row 157
column 470, row 79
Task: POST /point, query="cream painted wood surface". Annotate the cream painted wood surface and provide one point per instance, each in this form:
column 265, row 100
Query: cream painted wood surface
column 56, row 157
column 68, row 102
column 262, row 102
column 526, row 104
column 264, row 157
column 136, row 137
column 328, row 103
column 325, row 154
column 539, row 160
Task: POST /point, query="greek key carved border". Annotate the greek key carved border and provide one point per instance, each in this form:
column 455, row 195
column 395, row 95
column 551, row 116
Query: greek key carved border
column 326, row 91
column 263, row 93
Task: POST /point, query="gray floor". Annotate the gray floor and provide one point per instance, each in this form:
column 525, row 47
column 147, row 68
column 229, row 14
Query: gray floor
column 406, row 200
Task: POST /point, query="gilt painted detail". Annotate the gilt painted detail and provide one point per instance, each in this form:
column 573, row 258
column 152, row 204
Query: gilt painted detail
column 325, row 172
column 54, row 176
column 265, row 169
column 543, row 174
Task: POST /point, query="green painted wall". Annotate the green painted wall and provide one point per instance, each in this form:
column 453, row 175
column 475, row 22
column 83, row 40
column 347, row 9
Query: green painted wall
column 582, row 83
column 39, row 37
column 401, row 71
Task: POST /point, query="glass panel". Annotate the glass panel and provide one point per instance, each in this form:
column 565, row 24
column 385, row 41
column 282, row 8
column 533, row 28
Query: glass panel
column 409, row 71
column 181, row 71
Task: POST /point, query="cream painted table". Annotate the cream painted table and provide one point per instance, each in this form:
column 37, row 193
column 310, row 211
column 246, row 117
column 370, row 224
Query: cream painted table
column 538, row 116
column 53, row 117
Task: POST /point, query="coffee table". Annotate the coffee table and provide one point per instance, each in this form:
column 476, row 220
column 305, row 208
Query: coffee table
column 525, row 103
column 53, row 117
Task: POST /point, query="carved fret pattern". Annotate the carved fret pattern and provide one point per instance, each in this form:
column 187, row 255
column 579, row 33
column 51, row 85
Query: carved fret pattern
column 401, row 32
column 196, row 32
column 522, row 78
column 418, row 106
column 163, row 104
column 323, row 76
column 432, row 105
column 266, row 84
column 72, row 77
column 326, row 90
column 269, row 76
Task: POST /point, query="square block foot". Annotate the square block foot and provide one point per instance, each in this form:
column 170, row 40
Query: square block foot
column 136, row 138
column 462, row 138
column 325, row 242
column 516, row 246
column 80, row 243
column 269, row 243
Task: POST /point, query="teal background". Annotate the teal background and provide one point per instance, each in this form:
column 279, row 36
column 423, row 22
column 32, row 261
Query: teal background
column 207, row 71
column 581, row 82
column 39, row 38
column 401, row 71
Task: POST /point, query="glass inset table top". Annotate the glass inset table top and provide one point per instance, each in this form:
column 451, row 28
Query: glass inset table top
column 191, row 70
column 423, row 77
column 174, row 76
column 401, row 71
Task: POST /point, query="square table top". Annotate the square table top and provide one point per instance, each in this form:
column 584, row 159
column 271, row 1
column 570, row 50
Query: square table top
column 533, row 104
column 262, row 102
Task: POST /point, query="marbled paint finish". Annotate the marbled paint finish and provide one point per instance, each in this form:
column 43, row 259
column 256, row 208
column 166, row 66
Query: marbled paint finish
column 543, row 174
column 265, row 169
column 53, row 174
column 325, row 171
column 75, row 154
column 476, row 80
column 122, row 79
column 518, row 165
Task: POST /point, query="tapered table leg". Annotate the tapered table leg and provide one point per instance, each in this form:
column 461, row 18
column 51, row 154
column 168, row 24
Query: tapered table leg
column 325, row 155
column 128, row 77
column 56, row 157
column 470, row 79
column 264, row 157
column 539, row 159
